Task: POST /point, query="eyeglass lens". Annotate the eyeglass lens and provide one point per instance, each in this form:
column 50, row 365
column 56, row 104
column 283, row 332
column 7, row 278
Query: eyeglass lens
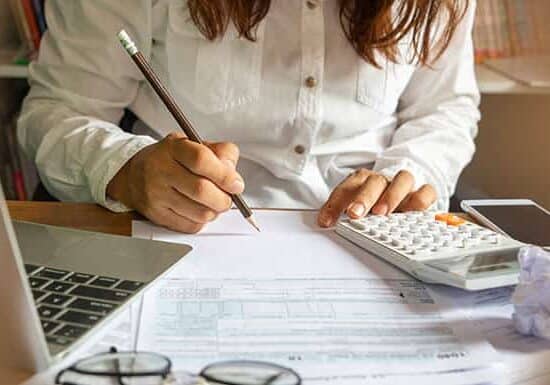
column 250, row 373
column 123, row 364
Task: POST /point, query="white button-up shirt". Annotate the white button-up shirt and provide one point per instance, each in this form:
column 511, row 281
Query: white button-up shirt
column 300, row 103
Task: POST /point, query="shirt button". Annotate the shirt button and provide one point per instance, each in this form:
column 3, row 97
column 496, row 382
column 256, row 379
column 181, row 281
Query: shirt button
column 311, row 82
column 311, row 4
column 299, row 149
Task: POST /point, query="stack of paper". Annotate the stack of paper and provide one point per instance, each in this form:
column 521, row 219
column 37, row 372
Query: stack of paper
column 307, row 299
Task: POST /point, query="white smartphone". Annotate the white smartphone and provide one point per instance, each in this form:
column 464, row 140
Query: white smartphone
column 521, row 219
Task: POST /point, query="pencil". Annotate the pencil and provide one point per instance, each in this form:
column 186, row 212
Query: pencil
column 175, row 110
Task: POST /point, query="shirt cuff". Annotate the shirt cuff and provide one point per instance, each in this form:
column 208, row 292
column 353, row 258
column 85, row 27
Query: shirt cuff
column 101, row 178
column 389, row 169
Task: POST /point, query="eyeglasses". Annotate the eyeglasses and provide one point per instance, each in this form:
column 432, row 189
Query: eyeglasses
column 155, row 369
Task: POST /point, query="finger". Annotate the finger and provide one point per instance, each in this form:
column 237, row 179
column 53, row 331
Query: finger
column 341, row 197
column 398, row 190
column 227, row 152
column 169, row 219
column 201, row 160
column 367, row 196
column 199, row 189
column 419, row 200
column 188, row 208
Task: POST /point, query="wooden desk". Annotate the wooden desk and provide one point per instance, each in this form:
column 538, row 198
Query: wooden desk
column 83, row 216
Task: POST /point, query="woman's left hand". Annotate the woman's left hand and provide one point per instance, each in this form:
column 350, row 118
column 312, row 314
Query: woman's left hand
column 365, row 191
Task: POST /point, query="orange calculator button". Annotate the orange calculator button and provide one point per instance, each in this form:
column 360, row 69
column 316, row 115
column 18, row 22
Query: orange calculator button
column 450, row 219
column 442, row 217
column 454, row 220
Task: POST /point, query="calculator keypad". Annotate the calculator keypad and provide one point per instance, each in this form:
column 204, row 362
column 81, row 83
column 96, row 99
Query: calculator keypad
column 424, row 236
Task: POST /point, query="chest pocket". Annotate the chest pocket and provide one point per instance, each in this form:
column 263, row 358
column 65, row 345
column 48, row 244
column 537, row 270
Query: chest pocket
column 381, row 88
column 216, row 76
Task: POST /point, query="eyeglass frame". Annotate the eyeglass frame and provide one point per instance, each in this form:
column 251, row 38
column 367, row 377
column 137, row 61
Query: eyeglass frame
column 165, row 372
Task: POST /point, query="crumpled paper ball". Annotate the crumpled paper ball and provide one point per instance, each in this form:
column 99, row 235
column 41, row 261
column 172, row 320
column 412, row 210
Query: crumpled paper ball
column 531, row 298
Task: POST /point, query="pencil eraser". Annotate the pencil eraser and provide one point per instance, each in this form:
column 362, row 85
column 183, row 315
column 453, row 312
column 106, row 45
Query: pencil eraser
column 127, row 42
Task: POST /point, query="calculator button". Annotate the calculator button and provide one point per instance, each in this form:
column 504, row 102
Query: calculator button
column 397, row 243
column 495, row 239
column 427, row 238
column 358, row 225
column 454, row 220
column 384, row 237
column 373, row 232
column 475, row 233
column 470, row 242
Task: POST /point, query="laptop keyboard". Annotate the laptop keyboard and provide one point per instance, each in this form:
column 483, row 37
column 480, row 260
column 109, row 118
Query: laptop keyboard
column 70, row 303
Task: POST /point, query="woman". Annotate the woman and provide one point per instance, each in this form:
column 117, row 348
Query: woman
column 353, row 106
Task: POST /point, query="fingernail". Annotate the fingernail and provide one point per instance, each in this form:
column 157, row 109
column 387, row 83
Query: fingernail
column 230, row 163
column 325, row 220
column 357, row 209
column 380, row 209
column 237, row 186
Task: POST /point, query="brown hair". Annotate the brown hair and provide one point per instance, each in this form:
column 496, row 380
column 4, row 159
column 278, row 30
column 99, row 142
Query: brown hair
column 369, row 25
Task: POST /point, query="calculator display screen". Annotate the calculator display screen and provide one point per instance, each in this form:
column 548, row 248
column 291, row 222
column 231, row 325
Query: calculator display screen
column 495, row 261
column 483, row 265
column 525, row 223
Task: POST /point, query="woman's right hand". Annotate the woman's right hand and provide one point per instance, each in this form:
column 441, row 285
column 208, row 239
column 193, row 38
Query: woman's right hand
column 178, row 183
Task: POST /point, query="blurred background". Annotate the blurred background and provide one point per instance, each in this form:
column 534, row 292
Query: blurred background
column 512, row 49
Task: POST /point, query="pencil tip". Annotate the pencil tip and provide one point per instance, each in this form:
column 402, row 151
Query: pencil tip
column 253, row 223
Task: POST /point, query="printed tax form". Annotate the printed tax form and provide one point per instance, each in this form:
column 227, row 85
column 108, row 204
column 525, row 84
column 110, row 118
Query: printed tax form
column 308, row 299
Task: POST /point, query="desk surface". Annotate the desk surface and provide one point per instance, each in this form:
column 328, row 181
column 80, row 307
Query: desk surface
column 95, row 218
column 83, row 216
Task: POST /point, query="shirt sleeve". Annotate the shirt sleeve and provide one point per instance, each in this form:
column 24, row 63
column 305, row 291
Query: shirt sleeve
column 80, row 85
column 438, row 115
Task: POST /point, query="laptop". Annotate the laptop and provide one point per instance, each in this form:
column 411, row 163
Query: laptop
column 60, row 286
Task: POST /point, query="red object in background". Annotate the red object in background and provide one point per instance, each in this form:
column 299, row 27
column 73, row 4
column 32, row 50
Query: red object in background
column 19, row 185
column 31, row 22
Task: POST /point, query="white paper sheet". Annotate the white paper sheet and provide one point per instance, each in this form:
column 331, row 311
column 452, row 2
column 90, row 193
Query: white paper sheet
column 489, row 313
column 305, row 298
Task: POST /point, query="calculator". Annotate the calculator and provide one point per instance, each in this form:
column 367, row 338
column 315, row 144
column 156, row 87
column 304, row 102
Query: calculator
column 438, row 248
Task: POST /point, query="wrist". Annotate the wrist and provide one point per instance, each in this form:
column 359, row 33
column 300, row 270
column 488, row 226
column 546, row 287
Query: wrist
column 117, row 188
